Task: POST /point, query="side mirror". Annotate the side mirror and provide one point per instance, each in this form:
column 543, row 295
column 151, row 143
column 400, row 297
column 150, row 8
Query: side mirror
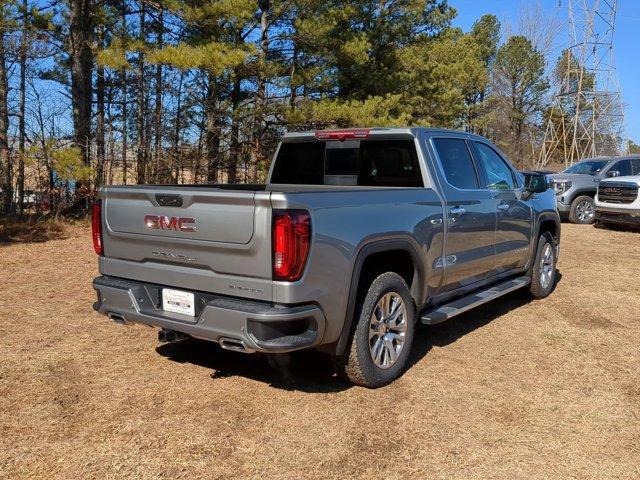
column 535, row 183
column 613, row 173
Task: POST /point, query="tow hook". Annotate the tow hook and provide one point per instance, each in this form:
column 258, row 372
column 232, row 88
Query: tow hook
column 169, row 336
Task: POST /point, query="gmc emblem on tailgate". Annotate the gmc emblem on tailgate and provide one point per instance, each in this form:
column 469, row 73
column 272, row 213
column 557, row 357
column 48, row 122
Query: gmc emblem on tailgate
column 163, row 222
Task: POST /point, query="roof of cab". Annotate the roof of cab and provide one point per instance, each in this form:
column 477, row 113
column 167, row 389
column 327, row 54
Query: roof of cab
column 374, row 131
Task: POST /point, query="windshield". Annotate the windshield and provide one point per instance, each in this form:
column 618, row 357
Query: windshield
column 588, row 167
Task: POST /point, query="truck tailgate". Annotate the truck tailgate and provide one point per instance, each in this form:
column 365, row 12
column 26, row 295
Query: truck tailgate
column 195, row 238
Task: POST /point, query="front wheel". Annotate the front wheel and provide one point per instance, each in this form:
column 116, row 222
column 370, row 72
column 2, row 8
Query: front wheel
column 543, row 273
column 583, row 210
column 381, row 342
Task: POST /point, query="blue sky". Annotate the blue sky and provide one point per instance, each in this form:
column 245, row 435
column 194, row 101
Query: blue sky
column 626, row 41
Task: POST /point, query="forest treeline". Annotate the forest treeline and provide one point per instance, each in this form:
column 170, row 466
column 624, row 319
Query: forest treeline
column 155, row 91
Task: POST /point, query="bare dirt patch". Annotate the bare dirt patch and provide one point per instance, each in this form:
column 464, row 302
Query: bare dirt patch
column 516, row 389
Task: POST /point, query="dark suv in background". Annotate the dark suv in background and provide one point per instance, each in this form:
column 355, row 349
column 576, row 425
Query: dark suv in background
column 576, row 187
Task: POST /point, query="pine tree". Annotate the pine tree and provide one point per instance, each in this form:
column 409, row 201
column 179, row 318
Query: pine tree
column 521, row 85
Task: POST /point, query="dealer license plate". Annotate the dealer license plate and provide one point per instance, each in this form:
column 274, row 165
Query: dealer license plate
column 177, row 301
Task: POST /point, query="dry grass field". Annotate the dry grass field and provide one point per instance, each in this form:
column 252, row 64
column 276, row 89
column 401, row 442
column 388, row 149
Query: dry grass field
column 514, row 390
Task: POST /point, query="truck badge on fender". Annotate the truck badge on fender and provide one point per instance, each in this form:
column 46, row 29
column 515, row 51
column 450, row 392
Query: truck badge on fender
column 163, row 222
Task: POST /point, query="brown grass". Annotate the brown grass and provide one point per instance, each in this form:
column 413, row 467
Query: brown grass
column 33, row 229
column 517, row 389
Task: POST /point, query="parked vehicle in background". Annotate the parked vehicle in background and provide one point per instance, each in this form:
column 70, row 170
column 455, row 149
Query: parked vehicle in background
column 576, row 187
column 618, row 201
column 357, row 234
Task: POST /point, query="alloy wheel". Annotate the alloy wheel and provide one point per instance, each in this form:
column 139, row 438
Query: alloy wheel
column 585, row 211
column 547, row 266
column 387, row 330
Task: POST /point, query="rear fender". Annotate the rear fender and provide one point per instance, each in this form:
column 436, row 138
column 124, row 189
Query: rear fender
column 378, row 246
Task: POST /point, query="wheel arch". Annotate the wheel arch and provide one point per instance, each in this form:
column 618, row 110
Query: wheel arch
column 378, row 254
column 584, row 191
column 547, row 222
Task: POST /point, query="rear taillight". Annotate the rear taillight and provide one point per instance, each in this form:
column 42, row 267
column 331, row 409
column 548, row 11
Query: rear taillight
column 96, row 227
column 291, row 236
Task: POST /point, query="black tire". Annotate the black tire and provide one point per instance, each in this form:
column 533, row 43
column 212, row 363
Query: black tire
column 357, row 364
column 541, row 288
column 578, row 215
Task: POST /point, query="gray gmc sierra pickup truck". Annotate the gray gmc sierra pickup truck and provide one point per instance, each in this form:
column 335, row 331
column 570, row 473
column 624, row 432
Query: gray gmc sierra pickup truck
column 357, row 235
column 576, row 186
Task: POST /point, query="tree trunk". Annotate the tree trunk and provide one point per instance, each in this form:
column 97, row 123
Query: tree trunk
column 234, row 150
column 81, row 33
column 111, row 137
column 45, row 151
column 158, row 100
column 22, row 60
column 124, row 128
column 256, row 130
column 212, row 130
column 100, row 127
column 5, row 158
column 142, row 104
column 123, row 80
column 292, row 86
column 175, row 150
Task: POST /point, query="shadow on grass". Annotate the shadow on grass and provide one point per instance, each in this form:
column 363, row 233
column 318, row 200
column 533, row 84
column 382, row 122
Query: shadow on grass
column 305, row 370
column 618, row 227
column 311, row 371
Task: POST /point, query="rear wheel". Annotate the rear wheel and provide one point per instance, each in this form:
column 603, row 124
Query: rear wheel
column 543, row 273
column 381, row 342
column 583, row 210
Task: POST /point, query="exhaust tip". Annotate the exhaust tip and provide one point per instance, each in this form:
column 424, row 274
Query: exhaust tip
column 119, row 318
column 233, row 344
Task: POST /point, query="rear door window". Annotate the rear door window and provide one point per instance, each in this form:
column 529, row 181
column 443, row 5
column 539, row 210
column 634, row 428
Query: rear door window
column 388, row 163
column 456, row 161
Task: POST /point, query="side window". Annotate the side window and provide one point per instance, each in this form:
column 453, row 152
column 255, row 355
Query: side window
column 457, row 162
column 635, row 166
column 389, row 163
column 622, row 166
column 499, row 175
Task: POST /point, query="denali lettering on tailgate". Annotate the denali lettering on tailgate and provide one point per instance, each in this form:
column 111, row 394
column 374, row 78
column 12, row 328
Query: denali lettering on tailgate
column 163, row 222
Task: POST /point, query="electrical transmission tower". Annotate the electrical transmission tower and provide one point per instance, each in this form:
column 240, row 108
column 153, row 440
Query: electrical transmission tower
column 587, row 116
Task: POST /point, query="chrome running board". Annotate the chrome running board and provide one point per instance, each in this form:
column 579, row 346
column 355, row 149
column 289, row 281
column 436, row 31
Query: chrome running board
column 456, row 307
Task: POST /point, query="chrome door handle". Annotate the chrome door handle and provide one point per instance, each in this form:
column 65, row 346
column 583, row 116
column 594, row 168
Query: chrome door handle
column 503, row 207
column 457, row 211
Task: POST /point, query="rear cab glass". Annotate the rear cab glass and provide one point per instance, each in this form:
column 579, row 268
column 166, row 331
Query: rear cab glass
column 371, row 162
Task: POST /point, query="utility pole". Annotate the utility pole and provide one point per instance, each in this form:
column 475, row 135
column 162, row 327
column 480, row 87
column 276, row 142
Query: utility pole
column 587, row 116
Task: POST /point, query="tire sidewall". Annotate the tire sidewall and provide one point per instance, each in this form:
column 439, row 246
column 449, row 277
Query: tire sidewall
column 385, row 283
column 536, row 288
column 573, row 215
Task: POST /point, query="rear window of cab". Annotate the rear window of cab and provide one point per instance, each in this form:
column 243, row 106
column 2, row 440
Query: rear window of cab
column 388, row 163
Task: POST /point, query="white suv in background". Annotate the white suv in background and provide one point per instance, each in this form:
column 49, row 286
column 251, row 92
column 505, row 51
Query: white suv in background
column 618, row 200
